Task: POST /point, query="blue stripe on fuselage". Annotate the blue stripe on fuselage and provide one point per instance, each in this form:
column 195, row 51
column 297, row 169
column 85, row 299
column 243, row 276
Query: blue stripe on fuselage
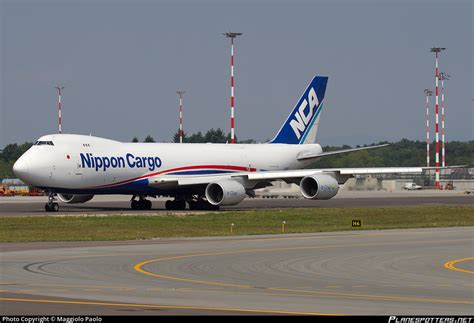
column 201, row 172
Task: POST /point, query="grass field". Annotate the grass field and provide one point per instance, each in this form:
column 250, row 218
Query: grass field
column 133, row 227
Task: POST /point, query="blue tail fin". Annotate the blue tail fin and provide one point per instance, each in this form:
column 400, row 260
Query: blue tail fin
column 302, row 124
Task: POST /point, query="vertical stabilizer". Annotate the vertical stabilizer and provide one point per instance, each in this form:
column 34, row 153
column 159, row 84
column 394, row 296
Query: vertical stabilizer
column 301, row 126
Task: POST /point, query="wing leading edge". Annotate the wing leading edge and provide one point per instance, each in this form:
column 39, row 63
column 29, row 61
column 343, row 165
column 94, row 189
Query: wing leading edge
column 250, row 178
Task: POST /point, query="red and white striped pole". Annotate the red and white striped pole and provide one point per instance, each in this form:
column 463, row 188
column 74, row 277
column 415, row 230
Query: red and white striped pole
column 442, row 124
column 232, row 106
column 180, row 115
column 443, row 76
column 428, row 94
column 59, row 88
column 436, row 50
column 437, row 184
column 232, row 125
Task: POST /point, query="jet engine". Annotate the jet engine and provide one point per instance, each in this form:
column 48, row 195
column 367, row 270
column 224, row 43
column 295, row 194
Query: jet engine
column 319, row 187
column 74, row 198
column 225, row 192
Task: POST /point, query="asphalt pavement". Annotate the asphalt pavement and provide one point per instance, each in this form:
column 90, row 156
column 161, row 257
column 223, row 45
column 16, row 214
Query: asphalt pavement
column 390, row 272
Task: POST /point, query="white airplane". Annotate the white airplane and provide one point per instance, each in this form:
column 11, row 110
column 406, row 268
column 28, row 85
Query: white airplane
column 74, row 168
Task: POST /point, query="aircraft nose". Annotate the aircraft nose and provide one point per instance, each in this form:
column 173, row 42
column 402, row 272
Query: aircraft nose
column 21, row 168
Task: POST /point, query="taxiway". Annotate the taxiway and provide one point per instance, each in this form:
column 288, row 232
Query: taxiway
column 416, row 271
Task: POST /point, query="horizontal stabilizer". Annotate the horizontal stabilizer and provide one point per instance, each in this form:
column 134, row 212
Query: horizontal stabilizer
column 310, row 155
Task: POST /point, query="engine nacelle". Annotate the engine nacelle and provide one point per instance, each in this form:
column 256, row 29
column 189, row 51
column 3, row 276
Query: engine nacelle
column 319, row 187
column 226, row 192
column 74, row 198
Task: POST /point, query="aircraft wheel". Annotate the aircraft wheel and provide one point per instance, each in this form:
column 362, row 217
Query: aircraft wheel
column 147, row 204
column 175, row 205
column 51, row 207
column 180, row 205
column 134, row 205
column 192, row 205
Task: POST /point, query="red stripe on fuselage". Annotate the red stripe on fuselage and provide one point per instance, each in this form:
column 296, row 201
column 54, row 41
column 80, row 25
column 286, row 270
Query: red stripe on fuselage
column 237, row 168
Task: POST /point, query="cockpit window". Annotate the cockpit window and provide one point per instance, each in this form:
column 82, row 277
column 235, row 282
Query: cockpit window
column 41, row 143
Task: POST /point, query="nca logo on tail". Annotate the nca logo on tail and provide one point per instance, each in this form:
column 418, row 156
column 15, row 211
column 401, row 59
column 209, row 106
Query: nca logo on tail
column 303, row 117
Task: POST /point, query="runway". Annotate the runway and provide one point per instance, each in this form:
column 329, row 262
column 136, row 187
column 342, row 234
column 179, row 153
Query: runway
column 416, row 271
column 34, row 206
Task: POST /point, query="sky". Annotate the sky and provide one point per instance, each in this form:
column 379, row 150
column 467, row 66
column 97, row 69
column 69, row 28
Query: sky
column 121, row 63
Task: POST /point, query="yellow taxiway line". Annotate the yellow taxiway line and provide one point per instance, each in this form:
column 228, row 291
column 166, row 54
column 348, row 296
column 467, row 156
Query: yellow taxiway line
column 139, row 267
column 451, row 265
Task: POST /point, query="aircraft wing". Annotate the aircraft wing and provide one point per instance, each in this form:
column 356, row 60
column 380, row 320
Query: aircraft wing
column 341, row 174
column 288, row 174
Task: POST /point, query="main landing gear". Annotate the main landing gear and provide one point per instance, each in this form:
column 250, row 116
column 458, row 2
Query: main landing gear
column 175, row 204
column 179, row 203
column 140, row 204
column 51, row 206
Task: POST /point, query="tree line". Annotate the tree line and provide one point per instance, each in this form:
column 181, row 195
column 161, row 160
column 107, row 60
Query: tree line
column 213, row 136
column 402, row 153
column 9, row 155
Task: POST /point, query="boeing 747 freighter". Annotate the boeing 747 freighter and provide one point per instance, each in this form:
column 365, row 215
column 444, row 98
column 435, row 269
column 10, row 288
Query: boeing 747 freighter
column 74, row 168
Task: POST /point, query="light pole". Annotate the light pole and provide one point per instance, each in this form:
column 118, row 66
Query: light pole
column 437, row 50
column 428, row 93
column 442, row 77
column 180, row 93
column 232, row 35
column 59, row 88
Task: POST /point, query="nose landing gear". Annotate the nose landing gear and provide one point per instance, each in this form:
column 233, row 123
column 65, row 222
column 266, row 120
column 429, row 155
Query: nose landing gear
column 51, row 206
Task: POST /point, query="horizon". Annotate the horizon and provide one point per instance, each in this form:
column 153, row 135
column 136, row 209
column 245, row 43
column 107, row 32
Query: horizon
column 237, row 142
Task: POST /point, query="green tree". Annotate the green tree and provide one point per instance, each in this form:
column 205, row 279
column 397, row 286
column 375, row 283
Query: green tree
column 212, row 136
column 196, row 138
column 135, row 139
column 149, row 139
column 248, row 141
column 176, row 137
column 9, row 155
column 6, row 169
column 215, row 136
column 12, row 152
